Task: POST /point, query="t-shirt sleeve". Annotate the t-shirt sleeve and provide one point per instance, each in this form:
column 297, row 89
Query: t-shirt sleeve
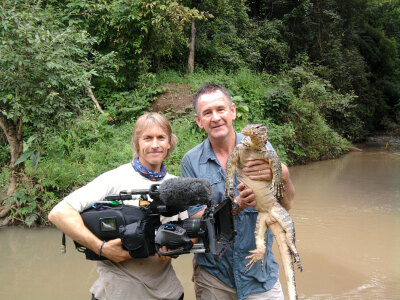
column 91, row 193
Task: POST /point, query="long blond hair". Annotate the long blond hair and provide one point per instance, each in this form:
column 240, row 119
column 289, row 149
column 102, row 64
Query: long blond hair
column 151, row 119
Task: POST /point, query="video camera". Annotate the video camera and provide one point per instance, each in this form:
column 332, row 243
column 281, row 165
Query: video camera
column 141, row 230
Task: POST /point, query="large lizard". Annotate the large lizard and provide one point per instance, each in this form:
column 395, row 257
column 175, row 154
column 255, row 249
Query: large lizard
column 271, row 214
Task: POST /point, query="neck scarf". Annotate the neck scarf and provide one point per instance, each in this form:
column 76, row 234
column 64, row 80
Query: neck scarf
column 149, row 174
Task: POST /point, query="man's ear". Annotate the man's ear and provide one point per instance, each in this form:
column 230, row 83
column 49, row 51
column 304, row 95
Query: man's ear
column 198, row 121
column 233, row 110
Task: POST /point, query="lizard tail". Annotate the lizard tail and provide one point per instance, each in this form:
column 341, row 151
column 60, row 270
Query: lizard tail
column 286, row 256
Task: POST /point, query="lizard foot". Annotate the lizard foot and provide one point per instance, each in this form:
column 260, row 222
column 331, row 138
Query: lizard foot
column 257, row 254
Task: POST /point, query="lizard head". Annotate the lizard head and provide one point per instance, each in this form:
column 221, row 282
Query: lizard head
column 258, row 133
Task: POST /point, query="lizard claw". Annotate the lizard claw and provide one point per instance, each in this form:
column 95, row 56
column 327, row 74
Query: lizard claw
column 250, row 264
column 257, row 254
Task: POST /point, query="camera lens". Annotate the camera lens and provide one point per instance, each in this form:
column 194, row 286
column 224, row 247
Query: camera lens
column 192, row 226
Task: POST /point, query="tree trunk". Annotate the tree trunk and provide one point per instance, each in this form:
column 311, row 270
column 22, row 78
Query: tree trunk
column 192, row 46
column 13, row 131
column 319, row 33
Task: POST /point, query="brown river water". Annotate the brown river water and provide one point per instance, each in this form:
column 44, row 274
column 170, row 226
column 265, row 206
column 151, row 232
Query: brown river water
column 347, row 217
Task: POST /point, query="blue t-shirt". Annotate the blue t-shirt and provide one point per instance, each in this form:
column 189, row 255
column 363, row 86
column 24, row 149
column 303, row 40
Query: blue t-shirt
column 201, row 162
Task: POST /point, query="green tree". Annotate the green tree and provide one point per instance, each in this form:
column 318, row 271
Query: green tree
column 144, row 33
column 45, row 71
column 227, row 40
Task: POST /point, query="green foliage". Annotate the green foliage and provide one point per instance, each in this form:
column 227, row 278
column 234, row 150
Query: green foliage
column 314, row 139
column 274, row 51
column 28, row 210
column 45, row 66
column 189, row 135
column 4, row 150
column 294, row 116
column 315, row 72
column 143, row 33
column 338, row 109
column 4, row 177
column 227, row 40
column 126, row 106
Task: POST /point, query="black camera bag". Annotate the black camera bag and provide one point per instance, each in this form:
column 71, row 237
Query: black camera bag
column 122, row 221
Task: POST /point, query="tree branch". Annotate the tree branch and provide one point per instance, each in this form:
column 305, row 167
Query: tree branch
column 97, row 103
column 4, row 210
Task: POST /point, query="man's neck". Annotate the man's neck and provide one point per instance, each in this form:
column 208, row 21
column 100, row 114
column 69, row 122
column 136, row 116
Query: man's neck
column 223, row 148
column 154, row 168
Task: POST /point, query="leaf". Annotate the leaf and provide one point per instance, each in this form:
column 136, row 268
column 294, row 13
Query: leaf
column 35, row 158
column 23, row 157
column 31, row 219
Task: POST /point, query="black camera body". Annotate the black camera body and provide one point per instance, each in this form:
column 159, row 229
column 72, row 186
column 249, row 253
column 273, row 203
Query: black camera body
column 142, row 233
column 113, row 220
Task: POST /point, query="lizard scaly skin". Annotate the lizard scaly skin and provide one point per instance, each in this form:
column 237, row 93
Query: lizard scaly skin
column 271, row 214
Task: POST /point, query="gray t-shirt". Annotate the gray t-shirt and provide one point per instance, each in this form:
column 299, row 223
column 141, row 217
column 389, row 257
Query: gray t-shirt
column 139, row 278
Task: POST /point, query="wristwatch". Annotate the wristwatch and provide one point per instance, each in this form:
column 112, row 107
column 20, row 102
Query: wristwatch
column 235, row 208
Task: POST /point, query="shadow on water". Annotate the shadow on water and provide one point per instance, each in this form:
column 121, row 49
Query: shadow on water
column 347, row 217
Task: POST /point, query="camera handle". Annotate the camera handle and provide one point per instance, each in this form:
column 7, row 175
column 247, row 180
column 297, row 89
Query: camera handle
column 197, row 248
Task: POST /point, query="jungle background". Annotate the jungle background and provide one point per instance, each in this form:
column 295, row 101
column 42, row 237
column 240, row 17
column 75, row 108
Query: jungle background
column 75, row 75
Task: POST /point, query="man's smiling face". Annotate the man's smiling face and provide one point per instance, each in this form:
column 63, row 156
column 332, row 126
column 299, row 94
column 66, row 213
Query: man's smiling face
column 153, row 147
column 215, row 115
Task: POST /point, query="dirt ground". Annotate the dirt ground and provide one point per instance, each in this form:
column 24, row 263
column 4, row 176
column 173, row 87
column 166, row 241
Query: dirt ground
column 176, row 100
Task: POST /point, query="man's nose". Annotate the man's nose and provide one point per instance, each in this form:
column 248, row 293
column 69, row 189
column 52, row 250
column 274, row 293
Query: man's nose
column 215, row 116
column 155, row 143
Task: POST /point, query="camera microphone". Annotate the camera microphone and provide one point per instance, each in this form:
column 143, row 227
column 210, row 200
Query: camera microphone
column 185, row 192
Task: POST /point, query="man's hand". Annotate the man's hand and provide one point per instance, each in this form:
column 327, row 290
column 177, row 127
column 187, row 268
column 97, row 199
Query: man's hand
column 258, row 170
column 113, row 250
column 261, row 170
column 163, row 257
column 246, row 197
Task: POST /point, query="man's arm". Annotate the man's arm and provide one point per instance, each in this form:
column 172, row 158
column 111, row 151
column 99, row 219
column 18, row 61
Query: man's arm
column 69, row 221
column 288, row 194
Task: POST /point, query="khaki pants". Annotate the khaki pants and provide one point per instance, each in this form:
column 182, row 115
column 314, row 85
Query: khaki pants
column 208, row 287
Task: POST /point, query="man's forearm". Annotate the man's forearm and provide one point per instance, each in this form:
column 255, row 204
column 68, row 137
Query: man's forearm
column 69, row 221
column 288, row 194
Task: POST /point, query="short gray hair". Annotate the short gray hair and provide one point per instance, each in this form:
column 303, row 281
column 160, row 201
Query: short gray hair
column 209, row 88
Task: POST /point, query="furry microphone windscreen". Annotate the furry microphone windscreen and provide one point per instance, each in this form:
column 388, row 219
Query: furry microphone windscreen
column 185, row 191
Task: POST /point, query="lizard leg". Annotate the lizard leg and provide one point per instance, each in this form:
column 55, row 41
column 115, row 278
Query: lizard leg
column 259, row 234
column 286, row 222
column 276, row 167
